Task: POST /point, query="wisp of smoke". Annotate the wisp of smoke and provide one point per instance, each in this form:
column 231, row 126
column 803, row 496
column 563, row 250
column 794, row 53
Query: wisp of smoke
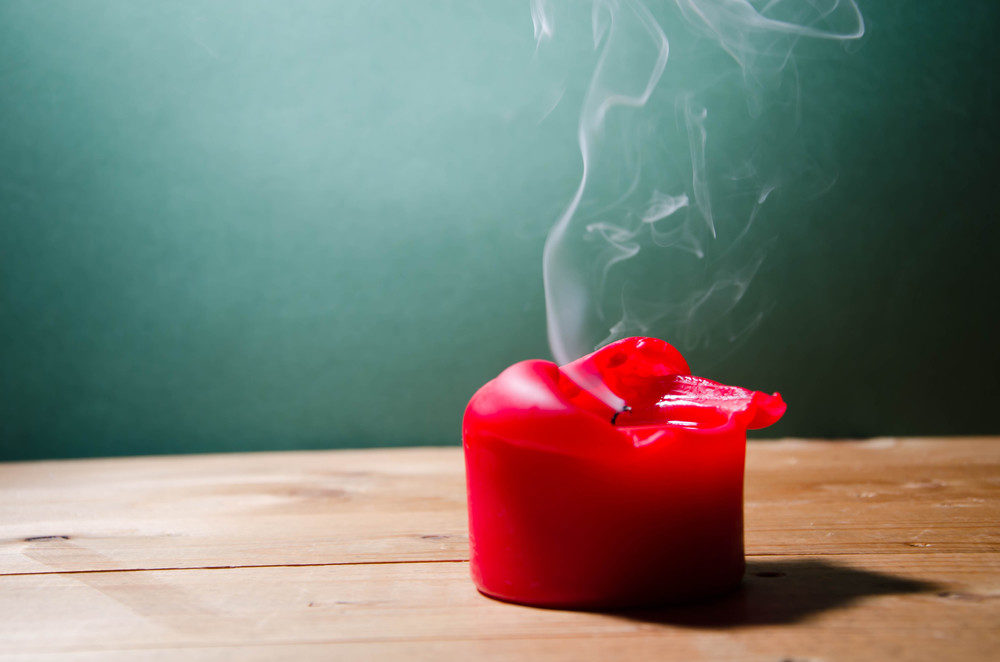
column 644, row 138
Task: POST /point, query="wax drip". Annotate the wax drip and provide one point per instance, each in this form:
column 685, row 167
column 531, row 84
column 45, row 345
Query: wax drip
column 618, row 413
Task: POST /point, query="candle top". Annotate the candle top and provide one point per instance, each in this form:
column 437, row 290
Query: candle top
column 637, row 390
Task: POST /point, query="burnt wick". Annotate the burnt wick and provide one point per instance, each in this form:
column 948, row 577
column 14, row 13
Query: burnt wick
column 618, row 413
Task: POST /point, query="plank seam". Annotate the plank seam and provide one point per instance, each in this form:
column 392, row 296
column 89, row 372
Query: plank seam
column 923, row 552
column 227, row 567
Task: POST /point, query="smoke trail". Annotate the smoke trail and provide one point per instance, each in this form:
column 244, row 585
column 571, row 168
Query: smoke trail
column 567, row 302
column 664, row 206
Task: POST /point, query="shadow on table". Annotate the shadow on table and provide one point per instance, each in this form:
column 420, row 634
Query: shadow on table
column 783, row 592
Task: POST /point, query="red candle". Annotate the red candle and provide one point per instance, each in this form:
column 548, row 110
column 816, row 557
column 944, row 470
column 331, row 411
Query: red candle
column 612, row 481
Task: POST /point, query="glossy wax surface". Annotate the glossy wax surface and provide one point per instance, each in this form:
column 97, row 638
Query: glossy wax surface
column 570, row 509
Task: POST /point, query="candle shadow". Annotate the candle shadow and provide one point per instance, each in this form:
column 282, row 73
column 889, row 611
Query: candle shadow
column 776, row 592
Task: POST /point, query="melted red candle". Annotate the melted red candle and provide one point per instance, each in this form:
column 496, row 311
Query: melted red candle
column 570, row 509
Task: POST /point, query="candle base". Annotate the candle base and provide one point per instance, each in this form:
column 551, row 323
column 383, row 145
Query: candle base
column 643, row 599
column 660, row 525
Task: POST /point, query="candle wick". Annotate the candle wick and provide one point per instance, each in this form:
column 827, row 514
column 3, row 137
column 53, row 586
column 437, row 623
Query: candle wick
column 617, row 413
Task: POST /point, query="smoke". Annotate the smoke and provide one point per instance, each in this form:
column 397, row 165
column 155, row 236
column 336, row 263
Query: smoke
column 672, row 122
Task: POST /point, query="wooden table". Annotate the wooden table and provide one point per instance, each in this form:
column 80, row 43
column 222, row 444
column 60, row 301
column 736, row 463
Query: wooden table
column 881, row 549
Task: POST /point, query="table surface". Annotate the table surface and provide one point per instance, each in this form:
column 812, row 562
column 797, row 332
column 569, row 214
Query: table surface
column 878, row 549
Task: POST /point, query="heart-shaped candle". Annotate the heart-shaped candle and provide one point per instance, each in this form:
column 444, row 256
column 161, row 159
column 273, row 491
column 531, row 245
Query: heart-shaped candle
column 612, row 481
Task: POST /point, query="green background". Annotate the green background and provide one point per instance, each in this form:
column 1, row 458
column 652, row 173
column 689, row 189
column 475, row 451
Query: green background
column 259, row 225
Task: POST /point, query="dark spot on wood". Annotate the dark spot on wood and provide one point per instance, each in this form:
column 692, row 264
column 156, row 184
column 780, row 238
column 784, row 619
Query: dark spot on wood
column 307, row 492
column 769, row 573
column 39, row 538
column 435, row 536
column 312, row 604
column 967, row 597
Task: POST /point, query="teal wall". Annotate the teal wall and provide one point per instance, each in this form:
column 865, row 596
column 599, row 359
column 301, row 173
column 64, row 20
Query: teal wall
column 261, row 225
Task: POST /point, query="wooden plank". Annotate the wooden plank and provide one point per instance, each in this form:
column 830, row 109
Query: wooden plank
column 803, row 497
column 893, row 495
column 873, row 606
column 920, row 646
column 235, row 509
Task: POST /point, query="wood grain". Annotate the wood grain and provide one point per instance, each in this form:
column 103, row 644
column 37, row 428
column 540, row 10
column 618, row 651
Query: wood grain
column 856, row 550
column 233, row 510
column 807, row 602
